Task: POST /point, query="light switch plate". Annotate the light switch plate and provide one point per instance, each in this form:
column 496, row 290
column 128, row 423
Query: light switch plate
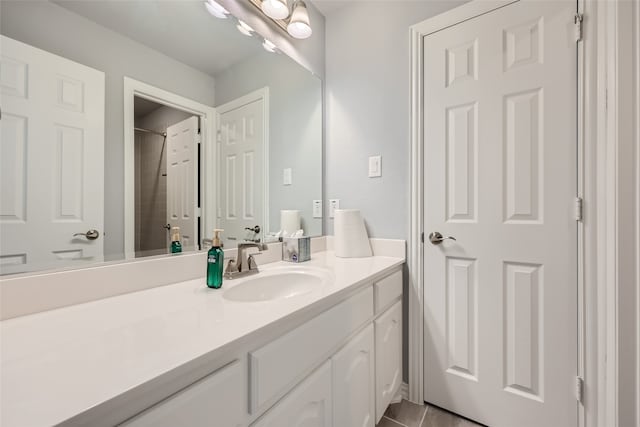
column 333, row 205
column 375, row 166
column 287, row 178
column 317, row 208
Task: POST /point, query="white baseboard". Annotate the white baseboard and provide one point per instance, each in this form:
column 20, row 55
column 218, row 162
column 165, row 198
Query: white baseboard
column 402, row 394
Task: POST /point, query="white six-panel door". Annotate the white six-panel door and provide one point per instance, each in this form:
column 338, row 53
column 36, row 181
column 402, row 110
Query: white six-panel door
column 500, row 176
column 182, row 180
column 51, row 159
column 241, row 170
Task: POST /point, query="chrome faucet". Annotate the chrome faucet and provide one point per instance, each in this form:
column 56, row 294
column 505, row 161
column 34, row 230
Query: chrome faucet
column 236, row 268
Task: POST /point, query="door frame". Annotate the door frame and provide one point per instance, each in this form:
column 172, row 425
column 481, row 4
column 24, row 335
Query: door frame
column 256, row 95
column 208, row 124
column 598, row 176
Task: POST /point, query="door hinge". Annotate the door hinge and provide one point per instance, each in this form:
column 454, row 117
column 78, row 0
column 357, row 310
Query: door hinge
column 579, row 389
column 219, row 136
column 198, row 212
column 579, row 208
column 422, row 237
column 577, row 21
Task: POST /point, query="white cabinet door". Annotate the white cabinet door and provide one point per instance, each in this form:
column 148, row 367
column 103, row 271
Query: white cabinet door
column 218, row 400
column 277, row 366
column 388, row 357
column 354, row 382
column 308, row 405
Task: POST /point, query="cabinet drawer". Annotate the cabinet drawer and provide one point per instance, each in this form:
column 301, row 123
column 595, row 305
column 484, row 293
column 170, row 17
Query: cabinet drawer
column 308, row 404
column 388, row 331
column 387, row 290
column 278, row 365
column 216, row 400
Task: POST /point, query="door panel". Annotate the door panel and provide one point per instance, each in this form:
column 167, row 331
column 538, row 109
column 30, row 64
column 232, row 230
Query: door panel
column 242, row 151
column 500, row 176
column 51, row 159
column 388, row 336
column 182, row 180
column 307, row 405
column 354, row 382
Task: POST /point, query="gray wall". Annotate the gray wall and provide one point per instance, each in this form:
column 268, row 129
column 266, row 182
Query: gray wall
column 367, row 92
column 151, row 180
column 53, row 28
column 295, row 130
column 368, row 106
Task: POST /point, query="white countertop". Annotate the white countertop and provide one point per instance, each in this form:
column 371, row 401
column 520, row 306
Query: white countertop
column 57, row 364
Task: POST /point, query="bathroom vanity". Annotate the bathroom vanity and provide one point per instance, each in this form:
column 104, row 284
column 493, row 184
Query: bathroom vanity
column 185, row 355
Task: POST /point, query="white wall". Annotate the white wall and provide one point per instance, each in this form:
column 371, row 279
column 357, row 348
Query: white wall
column 50, row 27
column 367, row 95
column 367, row 109
column 295, row 130
column 627, row 216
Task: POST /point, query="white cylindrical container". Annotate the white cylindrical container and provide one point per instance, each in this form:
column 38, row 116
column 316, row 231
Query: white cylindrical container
column 289, row 222
column 350, row 235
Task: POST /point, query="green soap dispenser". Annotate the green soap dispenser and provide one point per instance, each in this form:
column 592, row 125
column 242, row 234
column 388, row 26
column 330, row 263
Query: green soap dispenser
column 176, row 246
column 215, row 262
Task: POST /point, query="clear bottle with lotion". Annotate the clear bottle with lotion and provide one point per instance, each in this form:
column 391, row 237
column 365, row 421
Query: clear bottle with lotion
column 176, row 246
column 215, row 262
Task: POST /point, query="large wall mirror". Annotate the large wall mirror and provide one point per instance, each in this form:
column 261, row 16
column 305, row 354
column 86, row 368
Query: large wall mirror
column 124, row 119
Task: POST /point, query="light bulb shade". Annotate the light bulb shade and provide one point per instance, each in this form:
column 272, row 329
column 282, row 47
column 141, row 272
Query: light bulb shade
column 216, row 9
column 244, row 28
column 276, row 9
column 268, row 46
column 299, row 26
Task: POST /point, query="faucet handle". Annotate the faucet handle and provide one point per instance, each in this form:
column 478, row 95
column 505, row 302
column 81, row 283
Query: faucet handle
column 232, row 266
column 251, row 262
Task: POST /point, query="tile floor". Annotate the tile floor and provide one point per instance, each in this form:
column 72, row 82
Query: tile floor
column 407, row 414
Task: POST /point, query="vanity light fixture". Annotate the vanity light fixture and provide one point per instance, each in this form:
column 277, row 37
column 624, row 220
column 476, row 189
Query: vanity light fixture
column 216, row 9
column 244, row 28
column 299, row 26
column 269, row 46
column 295, row 21
column 275, row 9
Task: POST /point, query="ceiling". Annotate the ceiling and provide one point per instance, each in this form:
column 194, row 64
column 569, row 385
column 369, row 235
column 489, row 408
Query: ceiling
column 327, row 7
column 181, row 29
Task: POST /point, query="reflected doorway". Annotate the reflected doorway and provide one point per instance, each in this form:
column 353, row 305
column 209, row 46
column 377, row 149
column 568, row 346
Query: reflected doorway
column 166, row 158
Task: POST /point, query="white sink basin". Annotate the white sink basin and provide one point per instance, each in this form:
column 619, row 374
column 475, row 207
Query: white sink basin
column 278, row 283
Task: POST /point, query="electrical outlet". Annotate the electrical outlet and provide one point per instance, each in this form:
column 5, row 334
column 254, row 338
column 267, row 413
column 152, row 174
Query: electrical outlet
column 375, row 166
column 317, row 208
column 333, row 205
column 287, row 178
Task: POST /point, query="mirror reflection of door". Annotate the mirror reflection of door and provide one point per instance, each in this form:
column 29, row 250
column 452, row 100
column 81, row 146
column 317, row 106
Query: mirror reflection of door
column 51, row 160
column 166, row 177
column 242, row 165
column 182, row 180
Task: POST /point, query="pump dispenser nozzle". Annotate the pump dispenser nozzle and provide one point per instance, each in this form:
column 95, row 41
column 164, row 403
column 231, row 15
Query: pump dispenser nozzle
column 216, row 237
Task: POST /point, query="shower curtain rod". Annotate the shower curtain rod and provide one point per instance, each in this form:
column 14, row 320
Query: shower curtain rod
column 163, row 134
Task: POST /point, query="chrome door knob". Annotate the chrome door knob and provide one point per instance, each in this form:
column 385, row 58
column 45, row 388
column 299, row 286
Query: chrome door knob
column 436, row 238
column 90, row 235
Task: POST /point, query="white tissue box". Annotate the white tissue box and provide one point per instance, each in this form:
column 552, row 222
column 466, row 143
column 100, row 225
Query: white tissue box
column 296, row 249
